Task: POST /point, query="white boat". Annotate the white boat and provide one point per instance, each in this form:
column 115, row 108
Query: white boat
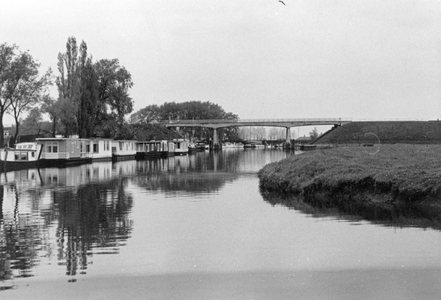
column 22, row 156
column 123, row 149
column 232, row 145
column 59, row 151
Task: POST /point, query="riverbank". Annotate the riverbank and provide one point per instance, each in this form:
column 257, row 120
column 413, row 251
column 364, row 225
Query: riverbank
column 382, row 174
column 385, row 132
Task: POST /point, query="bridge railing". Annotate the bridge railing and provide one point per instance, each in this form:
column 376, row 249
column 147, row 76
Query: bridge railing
column 241, row 121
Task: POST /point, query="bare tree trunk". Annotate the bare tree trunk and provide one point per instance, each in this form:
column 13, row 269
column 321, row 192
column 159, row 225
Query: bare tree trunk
column 2, row 131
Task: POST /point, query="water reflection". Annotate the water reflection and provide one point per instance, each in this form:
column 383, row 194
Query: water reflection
column 84, row 209
column 70, row 214
column 384, row 215
column 202, row 172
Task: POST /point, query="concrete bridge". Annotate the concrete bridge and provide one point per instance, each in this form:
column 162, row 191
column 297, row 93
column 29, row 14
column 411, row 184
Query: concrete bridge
column 287, row 123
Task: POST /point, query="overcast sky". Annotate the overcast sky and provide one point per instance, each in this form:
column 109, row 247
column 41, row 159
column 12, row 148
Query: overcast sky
column 374, row 59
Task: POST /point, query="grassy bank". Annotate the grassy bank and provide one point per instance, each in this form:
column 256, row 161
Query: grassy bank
column 409, row 132
column 410, row 173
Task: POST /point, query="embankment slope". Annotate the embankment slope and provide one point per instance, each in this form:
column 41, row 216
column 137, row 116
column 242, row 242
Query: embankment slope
column 386, row 132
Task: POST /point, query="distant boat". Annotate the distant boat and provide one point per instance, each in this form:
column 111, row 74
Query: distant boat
column 181, row 146
column 232, row 145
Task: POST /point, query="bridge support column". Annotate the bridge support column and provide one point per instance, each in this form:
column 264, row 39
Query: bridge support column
column 288, row 138
column 215, row 145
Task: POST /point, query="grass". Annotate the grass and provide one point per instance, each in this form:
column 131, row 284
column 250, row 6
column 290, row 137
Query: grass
column 411, row 132
column 410, row 173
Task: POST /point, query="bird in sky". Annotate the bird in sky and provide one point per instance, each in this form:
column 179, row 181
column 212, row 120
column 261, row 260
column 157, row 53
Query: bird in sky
column 282, row 2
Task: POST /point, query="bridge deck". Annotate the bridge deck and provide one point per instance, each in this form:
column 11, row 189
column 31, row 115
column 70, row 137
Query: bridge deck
column 218, row 123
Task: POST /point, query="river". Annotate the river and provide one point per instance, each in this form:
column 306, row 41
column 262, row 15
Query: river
column 197, row 227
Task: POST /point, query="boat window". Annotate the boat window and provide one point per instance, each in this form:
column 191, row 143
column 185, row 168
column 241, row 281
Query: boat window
column 21, row 156
column 30, row 146
column 52, row 147
column 95, row 147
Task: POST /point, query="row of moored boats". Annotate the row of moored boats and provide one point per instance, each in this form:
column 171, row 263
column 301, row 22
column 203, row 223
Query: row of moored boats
column 71, row 151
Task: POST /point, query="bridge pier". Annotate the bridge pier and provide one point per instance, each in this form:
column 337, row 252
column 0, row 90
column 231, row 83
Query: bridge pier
column 288, row 138
column 215, row 145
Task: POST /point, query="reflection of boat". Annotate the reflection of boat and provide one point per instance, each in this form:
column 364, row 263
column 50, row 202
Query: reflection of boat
column 24, row 155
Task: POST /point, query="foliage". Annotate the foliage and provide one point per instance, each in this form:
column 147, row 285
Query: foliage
column 21, row 86
column 191, row 110
column 147, row 132
column 314, row 134
column 33, row 122
column 69, row 85
column 114, row 102
column 146, row 115
column 93, row 97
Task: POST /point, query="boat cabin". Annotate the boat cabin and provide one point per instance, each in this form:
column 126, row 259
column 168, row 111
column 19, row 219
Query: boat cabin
column 123, row 149
column 63, row 151
column 99, row 149
column 181, row 146
column 153, row 149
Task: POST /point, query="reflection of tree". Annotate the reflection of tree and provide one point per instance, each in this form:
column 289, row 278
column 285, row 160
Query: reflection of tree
column 90, row 216
column 94, row 216
column 200, row 173
column 19, row 240
column 352, row 210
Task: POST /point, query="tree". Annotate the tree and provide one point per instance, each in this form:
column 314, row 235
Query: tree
column 314, row 134
column 88, row 100
column 50, row 107
column 30, row 89
column 114, row 102
column 191, row 110
column 69, row 84
column 21, row 85
column 33, row 122
column 7, row 58
column 146, row 115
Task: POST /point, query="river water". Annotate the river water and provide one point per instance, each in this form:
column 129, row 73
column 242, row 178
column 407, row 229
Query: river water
column 197, row 227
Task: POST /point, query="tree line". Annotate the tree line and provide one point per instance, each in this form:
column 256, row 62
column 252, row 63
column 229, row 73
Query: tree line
column 190, row 110
column 93, row 98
